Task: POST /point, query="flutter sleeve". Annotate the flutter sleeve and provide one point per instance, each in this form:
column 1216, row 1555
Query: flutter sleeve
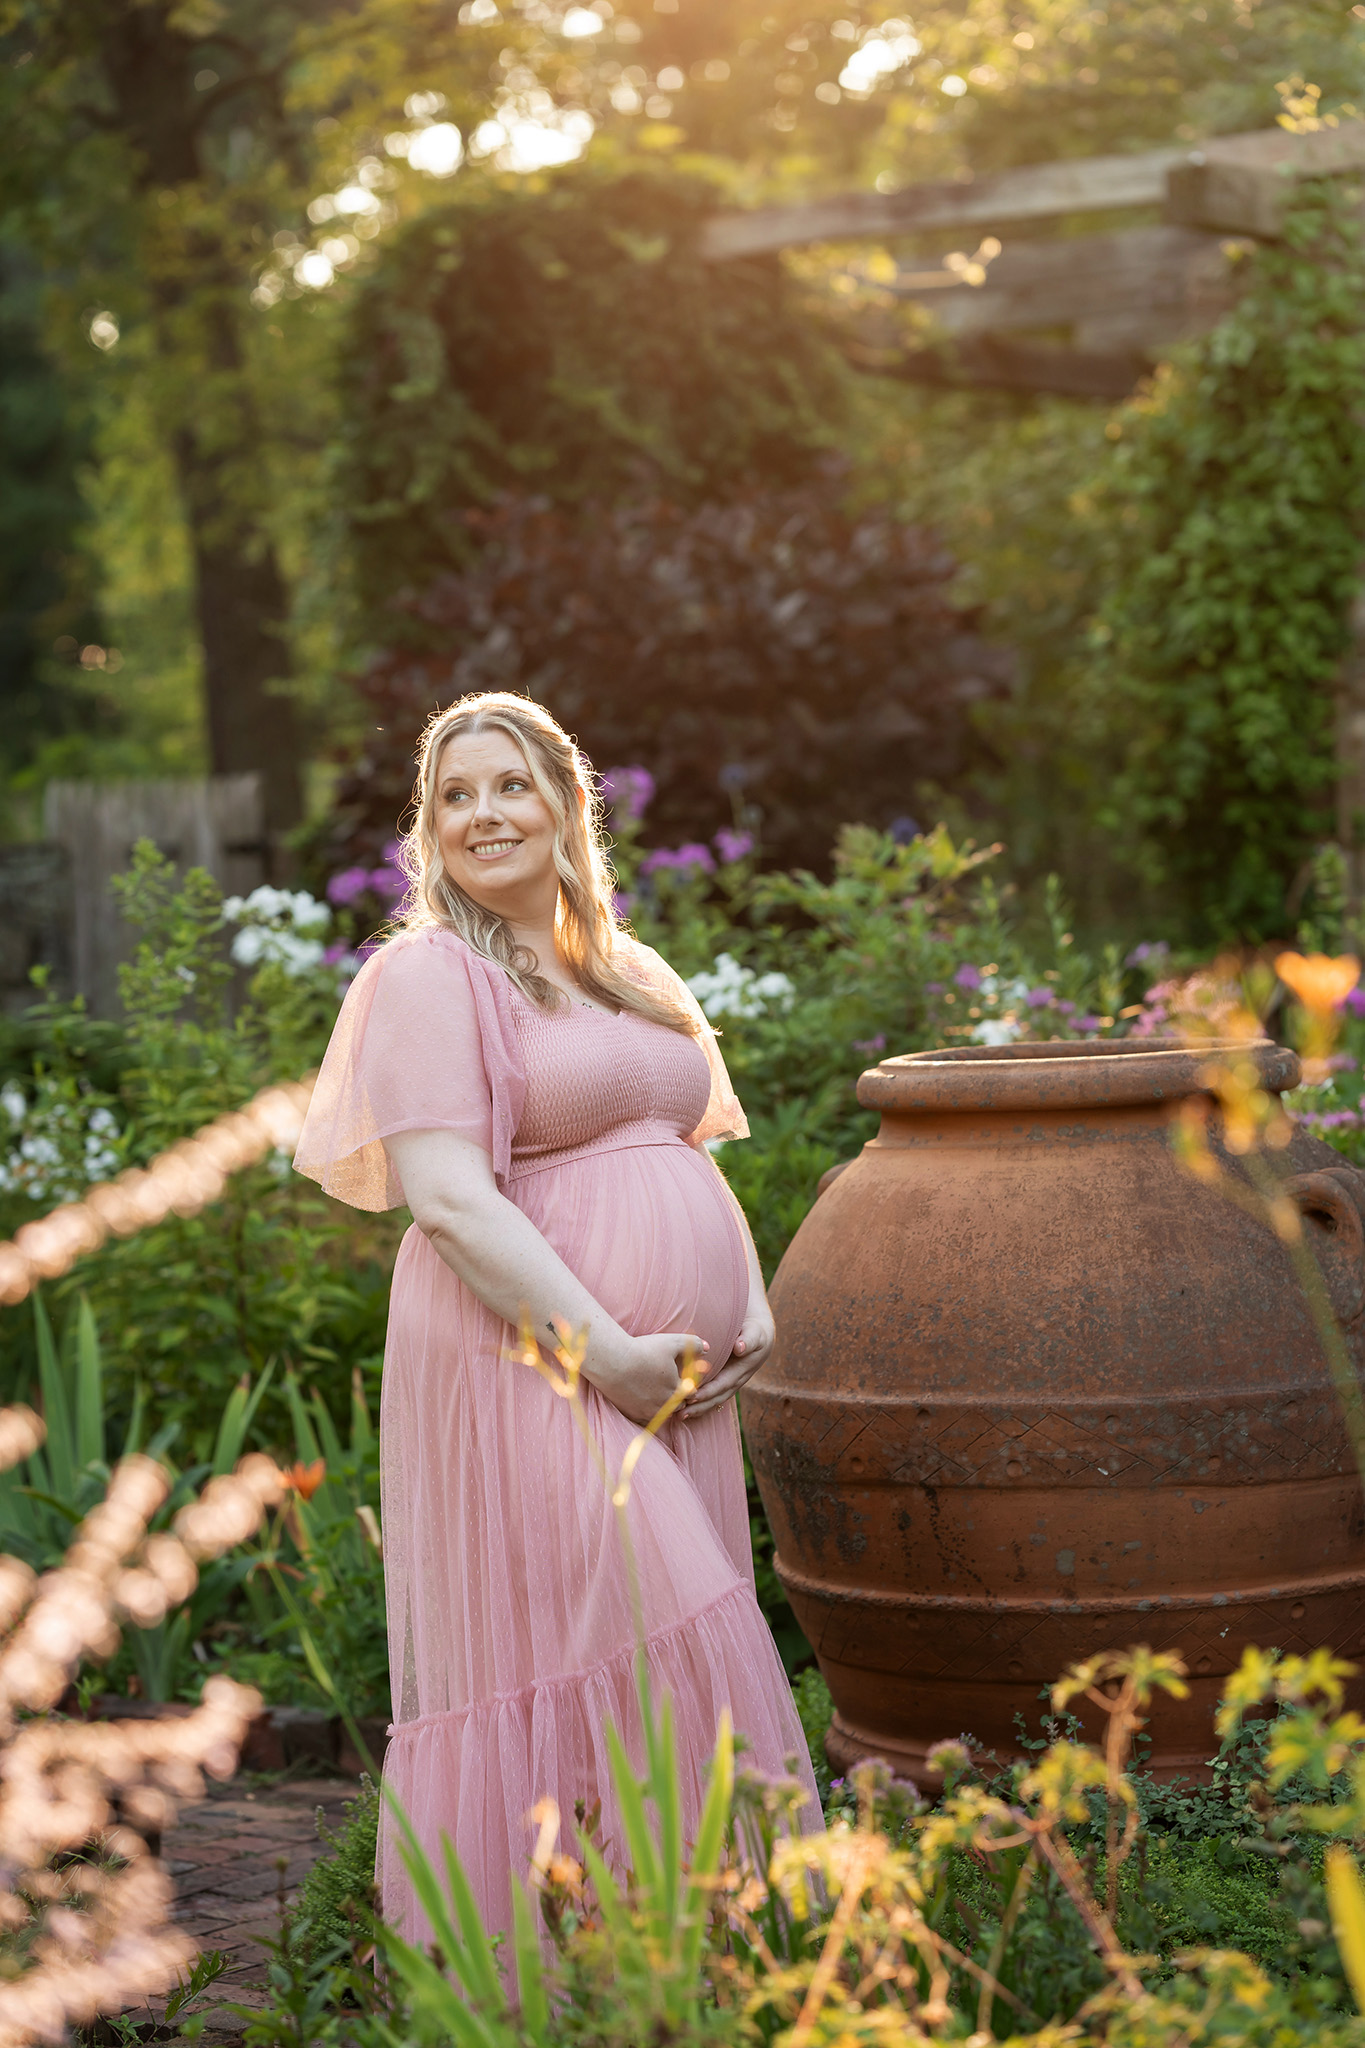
column 425, row 1042
column 724, row 1116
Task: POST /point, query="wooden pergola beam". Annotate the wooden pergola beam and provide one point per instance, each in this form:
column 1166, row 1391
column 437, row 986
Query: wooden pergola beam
column 1237, row 184
column 1097, row 184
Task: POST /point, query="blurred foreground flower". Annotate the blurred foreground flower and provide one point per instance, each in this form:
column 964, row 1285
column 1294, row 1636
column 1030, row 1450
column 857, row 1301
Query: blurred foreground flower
column 85, row 1908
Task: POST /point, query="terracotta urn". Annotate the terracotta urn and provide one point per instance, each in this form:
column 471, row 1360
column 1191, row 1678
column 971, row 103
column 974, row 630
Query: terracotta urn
column 1038, row 1392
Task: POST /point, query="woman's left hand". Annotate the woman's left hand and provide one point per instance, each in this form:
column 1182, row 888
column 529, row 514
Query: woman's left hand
column 753, row 1348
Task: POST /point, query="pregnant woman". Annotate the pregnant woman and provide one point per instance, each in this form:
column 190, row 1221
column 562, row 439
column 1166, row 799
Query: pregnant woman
column 537, row 1087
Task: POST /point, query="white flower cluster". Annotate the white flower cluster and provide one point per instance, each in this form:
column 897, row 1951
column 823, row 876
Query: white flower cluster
column 56, row 1147
column 280, row 926
column 730, row 990
column 1002, row 1030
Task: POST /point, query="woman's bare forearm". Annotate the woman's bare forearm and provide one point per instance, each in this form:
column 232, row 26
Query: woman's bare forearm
column 501, row 1256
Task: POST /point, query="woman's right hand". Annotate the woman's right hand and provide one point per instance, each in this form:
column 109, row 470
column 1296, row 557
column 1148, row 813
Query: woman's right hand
column 645, row 1374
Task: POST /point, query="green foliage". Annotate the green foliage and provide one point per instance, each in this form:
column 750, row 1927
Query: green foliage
column 272, row 1273
column 319, row 1573
column 334, row 1911
column 530, row 340
column 1222, row 1939
column 1238, row 492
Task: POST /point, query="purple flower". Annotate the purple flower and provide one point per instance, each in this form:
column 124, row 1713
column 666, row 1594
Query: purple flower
column 1151, row 951
column 1065, row 1008
column 1038, row 998
column 623, row 902
column 694, row 855
column 335, row 954
column 968, row 977
column 877, row 1044
column 1089, row 1023
column 903, row 830
column 732, row 845
column 350, row 883
column 629, row 790
column 933, row 988
column 1355, row 1002
column 388, row 882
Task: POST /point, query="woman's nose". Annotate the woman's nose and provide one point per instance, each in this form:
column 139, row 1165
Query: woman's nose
column 486, row 808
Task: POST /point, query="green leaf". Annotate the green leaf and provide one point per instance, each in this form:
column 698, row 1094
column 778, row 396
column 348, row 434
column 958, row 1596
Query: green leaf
column 89, row 1389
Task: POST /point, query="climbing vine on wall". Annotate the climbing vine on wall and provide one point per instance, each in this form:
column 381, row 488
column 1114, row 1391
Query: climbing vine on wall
column 1237, row 498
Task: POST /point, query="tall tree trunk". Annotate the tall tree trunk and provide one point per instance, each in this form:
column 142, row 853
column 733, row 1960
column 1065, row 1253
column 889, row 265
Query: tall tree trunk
column 243, row 611
column 198, row 274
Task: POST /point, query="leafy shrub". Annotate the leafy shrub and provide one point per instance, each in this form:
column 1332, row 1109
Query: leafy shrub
column 271, row 1274
column 1235, row 500
column 774, row 654
column 530, row 339
column 334, row 1911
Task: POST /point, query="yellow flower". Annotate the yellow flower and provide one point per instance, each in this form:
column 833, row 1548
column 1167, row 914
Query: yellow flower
column 1320, row 982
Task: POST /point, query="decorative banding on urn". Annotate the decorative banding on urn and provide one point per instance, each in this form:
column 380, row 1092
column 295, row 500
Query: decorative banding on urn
column 1037, row 1392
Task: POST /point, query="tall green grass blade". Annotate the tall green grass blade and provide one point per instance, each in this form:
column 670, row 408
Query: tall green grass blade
column 137, row 1422
column 60, row 1446
column 610, row 1901
column 328, row 1440
column 305, row 1436
column 435, row 1995
column 531, row 1993
column 237, row 1418
column 89, row 1390
column 710, row 1839
column 362, row 1429
column 667, row 1796
column 644, row 1853
column 480, row 1970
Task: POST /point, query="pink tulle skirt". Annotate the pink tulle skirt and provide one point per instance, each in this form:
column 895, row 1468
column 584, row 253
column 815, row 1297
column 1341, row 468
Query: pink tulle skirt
column 512, row 1628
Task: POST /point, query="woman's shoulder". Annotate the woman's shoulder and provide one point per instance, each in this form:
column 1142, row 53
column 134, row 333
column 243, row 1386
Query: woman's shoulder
column 423, row 974
column 632, row 957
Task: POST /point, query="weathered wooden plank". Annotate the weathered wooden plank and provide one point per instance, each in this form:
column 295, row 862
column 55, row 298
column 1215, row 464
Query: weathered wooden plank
column 986, row 362
column 1242, row 183
column 1236, row 183
column 215, row 823
column 1033, row 192
column 1158, row 282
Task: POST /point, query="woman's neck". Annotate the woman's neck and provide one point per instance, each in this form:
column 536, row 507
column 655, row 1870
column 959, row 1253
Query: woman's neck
column 538, row 936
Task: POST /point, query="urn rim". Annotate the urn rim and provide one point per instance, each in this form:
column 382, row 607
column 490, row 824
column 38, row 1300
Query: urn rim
column 1062, row 1074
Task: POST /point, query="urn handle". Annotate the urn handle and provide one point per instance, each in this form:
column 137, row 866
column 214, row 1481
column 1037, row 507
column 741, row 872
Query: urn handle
column 1332, row 1203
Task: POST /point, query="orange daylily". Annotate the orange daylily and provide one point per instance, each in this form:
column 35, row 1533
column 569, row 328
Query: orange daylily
column 1320, row 982
column 305, row 1480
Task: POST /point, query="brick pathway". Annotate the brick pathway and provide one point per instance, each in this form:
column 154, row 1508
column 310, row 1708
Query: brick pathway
column 225, row 1854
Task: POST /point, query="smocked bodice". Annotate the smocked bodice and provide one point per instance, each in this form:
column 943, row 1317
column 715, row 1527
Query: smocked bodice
column 597, row 1083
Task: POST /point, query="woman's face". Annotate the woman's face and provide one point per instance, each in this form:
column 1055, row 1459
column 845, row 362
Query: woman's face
column 495, row 831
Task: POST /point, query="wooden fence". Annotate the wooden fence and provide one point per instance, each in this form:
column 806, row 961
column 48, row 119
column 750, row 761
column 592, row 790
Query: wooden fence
column 91, row 828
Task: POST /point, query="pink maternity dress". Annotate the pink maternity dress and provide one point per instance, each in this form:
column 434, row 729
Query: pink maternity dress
column 511, row 1636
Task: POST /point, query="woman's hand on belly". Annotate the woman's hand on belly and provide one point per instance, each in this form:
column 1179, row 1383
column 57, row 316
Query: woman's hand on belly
column 753, row 1348
column 641, row 1376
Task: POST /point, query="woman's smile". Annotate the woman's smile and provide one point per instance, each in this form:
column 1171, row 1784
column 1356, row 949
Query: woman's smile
column 490, row 817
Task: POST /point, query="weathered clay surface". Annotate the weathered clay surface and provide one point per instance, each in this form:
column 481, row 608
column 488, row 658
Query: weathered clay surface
column 1038, row 1392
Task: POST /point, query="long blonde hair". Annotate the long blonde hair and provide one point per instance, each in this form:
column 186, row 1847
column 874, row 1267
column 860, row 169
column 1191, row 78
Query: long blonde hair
column 586, row 926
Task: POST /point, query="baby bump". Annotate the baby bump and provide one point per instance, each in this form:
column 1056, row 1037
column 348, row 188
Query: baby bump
column 652, row 1234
